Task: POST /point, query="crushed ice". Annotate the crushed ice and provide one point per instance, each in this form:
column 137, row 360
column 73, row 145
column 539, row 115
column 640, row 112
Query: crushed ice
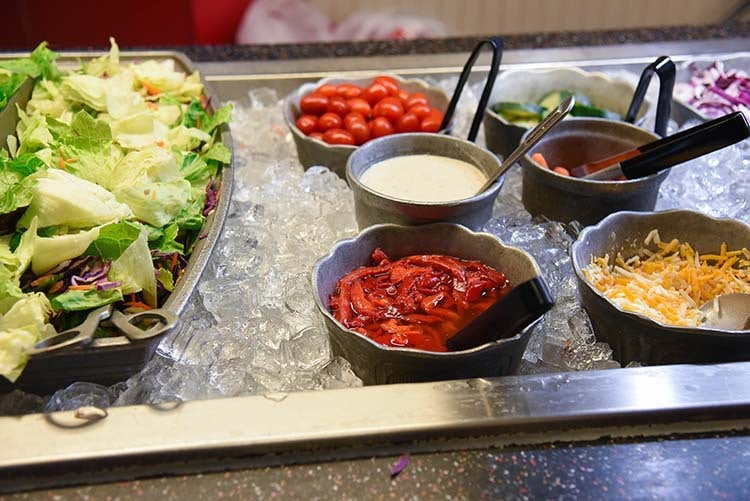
column 251, row 326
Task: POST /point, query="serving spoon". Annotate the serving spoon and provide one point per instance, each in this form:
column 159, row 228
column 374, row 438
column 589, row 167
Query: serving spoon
column 532, row 138
column 730, row 312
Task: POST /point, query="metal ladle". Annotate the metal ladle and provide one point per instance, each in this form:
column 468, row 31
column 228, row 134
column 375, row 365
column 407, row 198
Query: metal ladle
column 730, row 312
column 532, row 138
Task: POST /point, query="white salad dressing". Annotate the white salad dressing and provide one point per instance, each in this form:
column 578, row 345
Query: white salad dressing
column 424, row 178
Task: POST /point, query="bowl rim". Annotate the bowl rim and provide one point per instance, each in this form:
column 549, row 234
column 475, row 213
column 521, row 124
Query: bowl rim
column 603, row 226
column 594, row 182
column 416, row 352
column 355, row 181
column 307, row 87
column 594, row 75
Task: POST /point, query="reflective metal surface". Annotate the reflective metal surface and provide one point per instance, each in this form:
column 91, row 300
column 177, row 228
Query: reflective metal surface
column 304, row 422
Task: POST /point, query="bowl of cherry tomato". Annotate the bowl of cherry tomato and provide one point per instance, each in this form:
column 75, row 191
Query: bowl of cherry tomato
column 393, row 295
column 329, row 119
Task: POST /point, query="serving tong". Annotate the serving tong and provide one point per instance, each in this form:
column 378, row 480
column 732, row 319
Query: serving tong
column 162, row 321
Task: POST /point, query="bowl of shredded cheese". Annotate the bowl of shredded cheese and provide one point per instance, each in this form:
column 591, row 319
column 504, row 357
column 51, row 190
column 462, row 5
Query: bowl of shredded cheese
column 642, row 277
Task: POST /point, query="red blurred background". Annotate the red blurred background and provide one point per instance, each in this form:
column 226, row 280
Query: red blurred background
column 82, row 23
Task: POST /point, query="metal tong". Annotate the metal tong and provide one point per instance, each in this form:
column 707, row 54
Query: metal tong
column 83, row 334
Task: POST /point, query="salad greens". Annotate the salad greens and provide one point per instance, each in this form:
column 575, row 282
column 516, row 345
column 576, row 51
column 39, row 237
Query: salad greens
column 14, row 72
column 102, row 192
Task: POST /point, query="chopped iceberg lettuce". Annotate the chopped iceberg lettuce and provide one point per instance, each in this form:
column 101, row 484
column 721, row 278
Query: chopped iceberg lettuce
column 59, row 198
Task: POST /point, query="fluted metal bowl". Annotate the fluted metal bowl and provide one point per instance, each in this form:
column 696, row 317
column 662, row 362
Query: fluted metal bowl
column 565, row 198
column 524, row 86
column 313, row 151
column 372, row 207
column 379, row 364
column 633, row 336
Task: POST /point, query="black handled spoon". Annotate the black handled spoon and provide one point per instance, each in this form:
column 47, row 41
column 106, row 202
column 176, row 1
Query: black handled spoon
column 510, row 314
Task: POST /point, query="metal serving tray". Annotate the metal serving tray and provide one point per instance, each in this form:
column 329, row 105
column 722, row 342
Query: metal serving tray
column 109, row 360
column 42, row 450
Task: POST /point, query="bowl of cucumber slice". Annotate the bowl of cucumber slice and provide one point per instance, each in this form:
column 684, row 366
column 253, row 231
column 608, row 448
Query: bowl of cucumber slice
column 521, row 98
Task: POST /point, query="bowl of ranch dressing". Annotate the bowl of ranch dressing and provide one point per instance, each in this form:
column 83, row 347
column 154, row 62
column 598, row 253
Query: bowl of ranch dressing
column 421, row 178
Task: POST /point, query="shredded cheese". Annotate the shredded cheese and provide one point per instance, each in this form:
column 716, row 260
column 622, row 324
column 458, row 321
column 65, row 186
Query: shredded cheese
column 670, row 281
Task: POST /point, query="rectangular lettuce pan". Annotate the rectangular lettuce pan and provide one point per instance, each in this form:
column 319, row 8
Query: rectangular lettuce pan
column 113, row 359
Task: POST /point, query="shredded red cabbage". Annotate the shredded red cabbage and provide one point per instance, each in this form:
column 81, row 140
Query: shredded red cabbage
column 714, row 91
column 212, row 196
column 400, row 465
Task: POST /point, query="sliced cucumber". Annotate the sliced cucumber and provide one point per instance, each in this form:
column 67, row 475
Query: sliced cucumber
column 519, row 112
column 552, row 100
column 580, row 110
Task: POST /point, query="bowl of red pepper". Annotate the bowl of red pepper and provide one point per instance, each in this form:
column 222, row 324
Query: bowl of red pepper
column 393, row 296
column 330, row 118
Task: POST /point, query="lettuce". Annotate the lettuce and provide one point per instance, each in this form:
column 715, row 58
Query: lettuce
column 135, row 269
column 22, row 326
column 17, row 179
column 156, row 203
column 187, row 138
column 107, row 65
column 114, row 239
column 142, row 166
column 51, row 251
column 85, row 89
column 40, row 63
column 59, row 198
column 80, row 300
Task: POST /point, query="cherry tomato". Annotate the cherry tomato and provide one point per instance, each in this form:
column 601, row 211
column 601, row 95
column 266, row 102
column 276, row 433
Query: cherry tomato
column 403, row 96
column 348, row 90
column 360, row 131
column 432, row 122
column 359, row 105
column 374, row 93
column 329, row 121
column 316, row 135
column 389, row 83
column 416, row 98
column 407, row 123
column 420, row 110
column 308, row 124
column 380, row 126
column 353, row 117
column 314, row 104
column 390, row 108
column 338, row 136
column 326, row 90
column 337, row 105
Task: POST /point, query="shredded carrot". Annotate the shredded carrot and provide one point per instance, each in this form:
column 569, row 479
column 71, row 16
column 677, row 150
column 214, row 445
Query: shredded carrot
column 80, row 287
column 174, row 260
column 56, row 287
column 153, row 195
column 151, row 105
column 137, row 304
column 62, row 159
column 152, row 91
column 132, row 298
column 160, row 143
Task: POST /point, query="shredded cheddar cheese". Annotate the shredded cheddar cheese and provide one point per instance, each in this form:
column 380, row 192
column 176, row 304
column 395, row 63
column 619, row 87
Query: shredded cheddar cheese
column 670, row 281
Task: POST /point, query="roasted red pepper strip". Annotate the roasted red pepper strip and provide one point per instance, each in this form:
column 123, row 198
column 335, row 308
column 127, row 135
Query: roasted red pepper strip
column 416, row 302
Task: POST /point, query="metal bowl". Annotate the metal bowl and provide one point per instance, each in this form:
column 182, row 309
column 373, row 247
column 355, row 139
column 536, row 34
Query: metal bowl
column 566, row 199
column 526, row 86
column 378, row 364
column 635, row 337
column 312, row 151
column 372, row 207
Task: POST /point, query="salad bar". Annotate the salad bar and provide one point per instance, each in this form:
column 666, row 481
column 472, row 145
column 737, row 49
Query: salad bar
column 396, row 317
